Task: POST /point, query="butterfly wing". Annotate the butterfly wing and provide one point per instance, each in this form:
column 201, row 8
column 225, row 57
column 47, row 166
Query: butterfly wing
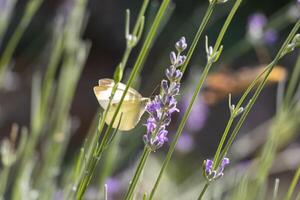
column 130, row 113
column 131, row 109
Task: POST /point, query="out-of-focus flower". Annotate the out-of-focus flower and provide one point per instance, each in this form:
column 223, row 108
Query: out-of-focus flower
column 185, row 143
column 256, row 29
column 213, row 174
column 198, row 113
column 270, row 36
column 256, row 22
column 113, row 185
column 163, row 105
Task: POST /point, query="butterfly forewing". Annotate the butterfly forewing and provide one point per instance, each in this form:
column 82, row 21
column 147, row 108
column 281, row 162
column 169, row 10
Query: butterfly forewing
column 104, row 90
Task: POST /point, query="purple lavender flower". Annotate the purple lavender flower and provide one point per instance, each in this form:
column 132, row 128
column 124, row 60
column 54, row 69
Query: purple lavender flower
column 164, row 105
column 213, row 174
column 256, row 29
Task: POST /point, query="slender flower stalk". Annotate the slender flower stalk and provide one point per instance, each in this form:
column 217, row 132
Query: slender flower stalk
column 160, row 110
column 288, row 43
column 213, row 54
column 203, row 191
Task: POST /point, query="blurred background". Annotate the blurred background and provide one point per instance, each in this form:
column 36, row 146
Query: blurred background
column 253, row 39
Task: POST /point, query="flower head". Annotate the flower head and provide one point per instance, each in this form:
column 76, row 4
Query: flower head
column 212, row 174
column 164, row 105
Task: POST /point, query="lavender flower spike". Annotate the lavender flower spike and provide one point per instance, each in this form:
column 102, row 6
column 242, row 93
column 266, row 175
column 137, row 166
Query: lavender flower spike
column 213, row 174
column 163, row 105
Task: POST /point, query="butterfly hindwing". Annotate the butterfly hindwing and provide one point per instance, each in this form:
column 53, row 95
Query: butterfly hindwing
column 131, row 109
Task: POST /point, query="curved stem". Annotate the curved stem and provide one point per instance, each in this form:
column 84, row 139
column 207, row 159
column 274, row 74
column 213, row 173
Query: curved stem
column 198, row 35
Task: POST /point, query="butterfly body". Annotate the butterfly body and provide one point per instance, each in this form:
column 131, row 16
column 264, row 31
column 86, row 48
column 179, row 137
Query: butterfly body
column 132, row 107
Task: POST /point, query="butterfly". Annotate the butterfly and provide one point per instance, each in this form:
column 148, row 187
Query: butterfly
column 219, row 84
column 131, row 110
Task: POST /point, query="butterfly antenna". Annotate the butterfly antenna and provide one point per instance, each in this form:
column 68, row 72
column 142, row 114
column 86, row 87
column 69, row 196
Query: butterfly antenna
column 155, row 89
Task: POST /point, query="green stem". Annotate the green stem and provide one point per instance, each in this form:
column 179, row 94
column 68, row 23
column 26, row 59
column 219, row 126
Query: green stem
column 292, row 187
column 217, row 158
column 138, row 172
column 195, row 95
column 224, row 136
column 134, row 32
column 203, row 191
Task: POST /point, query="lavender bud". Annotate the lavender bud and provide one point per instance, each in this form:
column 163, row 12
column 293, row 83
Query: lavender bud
column 181, row 60
column 296, row 39
column 151, row 125
column 164, row 86
column 173, row 58
column 170, row 72
column 225, row 162
column 174, row 88
column 208, row 171
column 178, row 75
column 181, row 44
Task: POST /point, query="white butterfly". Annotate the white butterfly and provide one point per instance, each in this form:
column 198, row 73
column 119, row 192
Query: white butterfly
column 131, row 109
